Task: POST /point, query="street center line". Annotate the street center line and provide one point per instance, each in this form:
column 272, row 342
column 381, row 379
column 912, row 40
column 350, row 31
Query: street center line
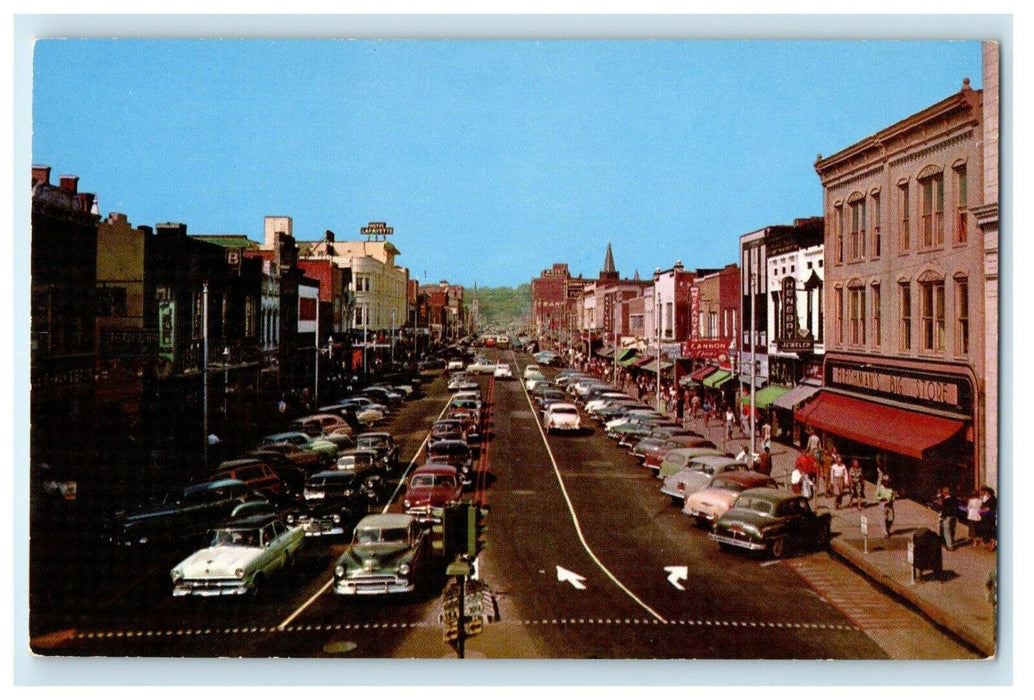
column 574, row 516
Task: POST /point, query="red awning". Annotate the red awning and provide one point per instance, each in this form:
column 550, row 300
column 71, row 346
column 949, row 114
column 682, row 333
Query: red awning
column 699, row 375
column 893, row 429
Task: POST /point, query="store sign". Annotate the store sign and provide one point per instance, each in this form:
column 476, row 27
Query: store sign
column 167, row 329
column 712, row 349
column 933, row 390
column 790, row 339
column 126, row 343
column 694, row 312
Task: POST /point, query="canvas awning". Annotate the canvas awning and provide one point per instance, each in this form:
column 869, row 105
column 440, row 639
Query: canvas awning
column 718, row 378
column 796, row 396
column 763, row 398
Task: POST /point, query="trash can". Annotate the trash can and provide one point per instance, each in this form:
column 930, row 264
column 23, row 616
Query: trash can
column 926, row 552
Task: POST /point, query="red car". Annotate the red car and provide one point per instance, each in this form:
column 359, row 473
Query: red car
column 431, row 486
column 653, row 458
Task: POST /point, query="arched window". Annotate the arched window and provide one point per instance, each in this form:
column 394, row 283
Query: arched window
column 931, row 311
column 931, row 202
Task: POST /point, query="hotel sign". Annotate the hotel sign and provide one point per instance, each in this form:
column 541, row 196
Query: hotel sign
column 933, row 390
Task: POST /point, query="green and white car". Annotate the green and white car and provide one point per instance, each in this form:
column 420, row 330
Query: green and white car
column 239, row 559
column 389, row 554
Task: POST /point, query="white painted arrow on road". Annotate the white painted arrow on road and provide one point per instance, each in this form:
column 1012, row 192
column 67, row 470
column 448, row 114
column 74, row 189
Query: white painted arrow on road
column 571, row 577
column 676, row 574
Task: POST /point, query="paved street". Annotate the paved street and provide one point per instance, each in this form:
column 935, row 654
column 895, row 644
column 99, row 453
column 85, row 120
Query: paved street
column 584, row 555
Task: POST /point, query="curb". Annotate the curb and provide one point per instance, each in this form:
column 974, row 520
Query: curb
column 934, row 613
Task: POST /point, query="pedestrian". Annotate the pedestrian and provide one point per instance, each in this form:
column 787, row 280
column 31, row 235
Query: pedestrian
column 766, row 431
column 804, row 466
column 744, row 456
column 730, row 418
column 695, row 405
column 948, row 506
column 885, row 495
column 857, row 480
column 825, row 463
column 765, row 462
column 838, row 480
column 796, row 477
column 813, row 442
column 973, row 507
column 988, row 518
column 680, row 410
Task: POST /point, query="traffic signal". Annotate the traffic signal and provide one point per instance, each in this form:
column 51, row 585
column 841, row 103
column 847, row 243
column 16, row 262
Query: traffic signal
column 477, row 536
column 455, row 519
column 438, row 531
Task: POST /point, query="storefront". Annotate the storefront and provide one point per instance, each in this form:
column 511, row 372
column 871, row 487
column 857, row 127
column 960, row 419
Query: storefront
column 912, row 420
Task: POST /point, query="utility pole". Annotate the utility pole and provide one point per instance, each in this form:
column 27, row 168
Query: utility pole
column 316, row 347
column 753, row 352
column 204, row 370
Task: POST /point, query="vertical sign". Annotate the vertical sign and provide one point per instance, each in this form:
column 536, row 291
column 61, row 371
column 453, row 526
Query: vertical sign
column 167, row 329
column 608, row 304
column 694, row 312
column 789, row 308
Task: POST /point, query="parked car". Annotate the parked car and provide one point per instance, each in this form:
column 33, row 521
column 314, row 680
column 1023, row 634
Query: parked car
column 502, row 371
column 481, row 365
column 383, row 444
column 709, row 504
column 454, row 364
column 431, row 486
column 303, row 459
column 359, row 460
column 240, row 558
column 562, row 417
column 327, row 451
column 333, row 501
column 697, row 474
column 455, row 453
column 183, row 515
column 389, row 554
column 773, row 521
column 533, row 379
column 319, row 424
column 257, row 474
column 344, row 438
column 679, row 458
column 292, row 477
column 530, row 370
column 462, row 381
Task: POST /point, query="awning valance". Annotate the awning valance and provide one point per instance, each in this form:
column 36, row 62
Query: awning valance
column 717, row 379
column 764, row 397
column 796, row 396
column 886, row 427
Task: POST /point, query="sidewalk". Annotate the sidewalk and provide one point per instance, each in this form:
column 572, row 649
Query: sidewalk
column 957, row 601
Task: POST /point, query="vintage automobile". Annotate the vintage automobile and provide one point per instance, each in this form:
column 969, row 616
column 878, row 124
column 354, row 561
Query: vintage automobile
column 651, row 446
column 367, row 411
column 433, row 485
column 454, row 364
column 455, row 453
column 359, row 460
column 383, row 396
column 696, row 474
column 468, row 395
column 502, row 371
column 344, row 438
column 462, row 381
column 481, row 365
column 303, row 459
column 292, row 477
column 240, row 557
column 675, row 439
column 530, row 370
column 551, row 396
column 607, row 398
column 533, row 379
column 448, row 429
column 678, row 459
column 773, row 521
column 319, row 424
column 327, row 451
column 389, row 554
column 334, row 501
column 381, row 443
column 710, row 503
column 253, row 471
column 562, row 417
column 186, row 514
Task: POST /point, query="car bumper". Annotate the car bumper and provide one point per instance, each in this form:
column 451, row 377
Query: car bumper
column 322, row 528
column 674, row 493
column 380, row 585
column 208, row 589
column 736, row 540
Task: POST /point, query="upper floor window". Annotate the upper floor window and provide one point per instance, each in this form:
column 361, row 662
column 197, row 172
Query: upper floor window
column 905, row 315
column 931, row 307
column 838, row 314
column 877, row 331
column 839, row 228
column 857, row 235
column 962, row 315
column 856, row 303
column 932, row 201
column 961, row 204
column 877, row 243
column 904, row 223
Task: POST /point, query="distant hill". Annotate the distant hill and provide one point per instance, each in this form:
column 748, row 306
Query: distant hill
column 500, row 306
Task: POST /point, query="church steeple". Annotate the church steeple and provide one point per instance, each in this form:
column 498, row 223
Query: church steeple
column 609, row 273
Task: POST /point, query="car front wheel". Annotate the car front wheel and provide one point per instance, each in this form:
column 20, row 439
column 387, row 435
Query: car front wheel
column 778, row 548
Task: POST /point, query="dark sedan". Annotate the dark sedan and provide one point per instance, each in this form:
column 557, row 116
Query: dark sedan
column 771, row 520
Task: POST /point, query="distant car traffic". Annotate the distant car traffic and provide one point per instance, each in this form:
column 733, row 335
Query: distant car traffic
column 502, row 371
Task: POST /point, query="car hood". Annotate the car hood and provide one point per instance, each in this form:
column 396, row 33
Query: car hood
column 376, row 557
column 434, row 495
column 218, row 562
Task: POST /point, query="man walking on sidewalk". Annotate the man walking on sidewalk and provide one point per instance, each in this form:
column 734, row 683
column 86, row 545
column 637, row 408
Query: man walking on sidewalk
column 949, row 516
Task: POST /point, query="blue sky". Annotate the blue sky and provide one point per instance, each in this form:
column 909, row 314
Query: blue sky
column 491, row 159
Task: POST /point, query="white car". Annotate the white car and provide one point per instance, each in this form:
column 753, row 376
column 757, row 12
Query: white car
column 240, row 558
column 481, row 366
column 562, row 417
column 454, row 365
column 532, row 369
column 605, row 399
column 502, row 372
column 534, row 379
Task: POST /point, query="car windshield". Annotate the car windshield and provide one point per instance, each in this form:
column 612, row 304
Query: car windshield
column 563, row 409
column 426, row 481
column 235, row 537
column 376, row 535
column 366, row 441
